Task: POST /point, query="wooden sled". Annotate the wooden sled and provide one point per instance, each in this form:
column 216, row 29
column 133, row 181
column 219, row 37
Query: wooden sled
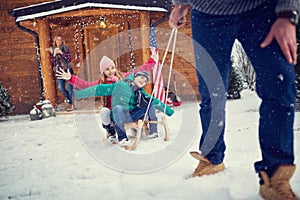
column 141, row 128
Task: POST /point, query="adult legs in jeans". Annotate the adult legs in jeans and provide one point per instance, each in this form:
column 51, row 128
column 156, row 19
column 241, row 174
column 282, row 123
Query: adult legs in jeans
column 275, row 81
column 212, row 40
column 68, row 93
column 62, row 87
column 275, row 85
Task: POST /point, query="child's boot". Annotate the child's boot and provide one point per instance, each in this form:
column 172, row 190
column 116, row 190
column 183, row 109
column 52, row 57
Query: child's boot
column 111, row 132
column 205, row 167
column 277, row 187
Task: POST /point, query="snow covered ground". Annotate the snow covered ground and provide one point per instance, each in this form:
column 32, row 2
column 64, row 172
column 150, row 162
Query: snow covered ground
column 65, row 157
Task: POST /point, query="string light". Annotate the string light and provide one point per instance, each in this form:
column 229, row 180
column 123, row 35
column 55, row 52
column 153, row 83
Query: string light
column 102, row 23
column 79, row 25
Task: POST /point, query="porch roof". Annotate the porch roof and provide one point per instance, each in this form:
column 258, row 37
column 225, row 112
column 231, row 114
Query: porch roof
column 61, row 6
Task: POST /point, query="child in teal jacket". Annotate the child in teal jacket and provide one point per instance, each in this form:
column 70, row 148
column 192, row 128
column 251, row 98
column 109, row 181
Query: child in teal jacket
column 129, row 102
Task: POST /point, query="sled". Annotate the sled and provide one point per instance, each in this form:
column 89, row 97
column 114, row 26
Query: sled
column 142, row 127
column 139, row 126
column 163, row 122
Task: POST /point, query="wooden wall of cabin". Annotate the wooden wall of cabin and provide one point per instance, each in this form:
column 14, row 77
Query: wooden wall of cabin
column 18, row 63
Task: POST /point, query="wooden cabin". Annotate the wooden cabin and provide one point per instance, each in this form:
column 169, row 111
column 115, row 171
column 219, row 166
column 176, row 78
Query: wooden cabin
column 28, row 28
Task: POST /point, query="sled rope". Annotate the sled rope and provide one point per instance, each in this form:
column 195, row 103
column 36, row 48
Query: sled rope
column 141, row 122
column 160, row 69
column 170, row 71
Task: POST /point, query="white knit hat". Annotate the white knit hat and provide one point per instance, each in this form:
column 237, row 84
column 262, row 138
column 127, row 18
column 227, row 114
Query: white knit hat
column 105, row 63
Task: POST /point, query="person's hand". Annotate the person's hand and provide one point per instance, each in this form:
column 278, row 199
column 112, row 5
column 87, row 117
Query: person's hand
column 285, row 34
column 57, row 50
column 61, row 74
column 177, row 17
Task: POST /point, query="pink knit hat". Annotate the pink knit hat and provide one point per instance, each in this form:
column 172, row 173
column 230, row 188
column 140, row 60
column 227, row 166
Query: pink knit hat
column 105, row 63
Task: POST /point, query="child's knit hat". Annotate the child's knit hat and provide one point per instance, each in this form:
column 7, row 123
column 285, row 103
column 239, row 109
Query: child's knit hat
column 105, row 63
column 142, row 73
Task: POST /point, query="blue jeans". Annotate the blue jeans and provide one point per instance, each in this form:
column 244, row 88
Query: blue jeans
column 122, row 117
column 66, row 88
column 275, row 83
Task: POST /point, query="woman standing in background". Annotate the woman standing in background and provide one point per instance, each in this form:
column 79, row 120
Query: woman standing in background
column 61, row 59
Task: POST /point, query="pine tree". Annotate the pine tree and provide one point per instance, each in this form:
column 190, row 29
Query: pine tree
column 235, row 84
column 241, row 62
column 5, row 102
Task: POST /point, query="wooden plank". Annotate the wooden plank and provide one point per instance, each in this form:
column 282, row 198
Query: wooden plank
column 23, row 47
column 20, row 66
column 18, row 73
column 15, row 56
column 19, row 40
column 18, row 58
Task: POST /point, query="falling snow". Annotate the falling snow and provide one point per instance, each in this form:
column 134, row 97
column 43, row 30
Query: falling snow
column 280, row 76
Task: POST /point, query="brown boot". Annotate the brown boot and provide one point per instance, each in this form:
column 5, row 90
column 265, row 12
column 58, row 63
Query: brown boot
column 205, row 167
column 277, row 187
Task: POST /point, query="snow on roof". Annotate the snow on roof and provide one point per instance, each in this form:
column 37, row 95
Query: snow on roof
column 67, row 8
column 35, row 5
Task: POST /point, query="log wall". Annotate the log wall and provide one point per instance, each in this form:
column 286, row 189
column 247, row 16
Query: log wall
column 18, row 60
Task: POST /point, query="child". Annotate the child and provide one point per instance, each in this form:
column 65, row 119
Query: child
column 129, row 102
column 109, row 74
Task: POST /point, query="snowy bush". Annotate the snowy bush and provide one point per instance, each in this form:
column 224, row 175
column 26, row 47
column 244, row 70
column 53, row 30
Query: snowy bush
column 5, row 102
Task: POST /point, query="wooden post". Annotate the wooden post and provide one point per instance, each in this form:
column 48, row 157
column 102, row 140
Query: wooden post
column 47, row 72
column 145, row 40
column 145, row 31
column 81, row 50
